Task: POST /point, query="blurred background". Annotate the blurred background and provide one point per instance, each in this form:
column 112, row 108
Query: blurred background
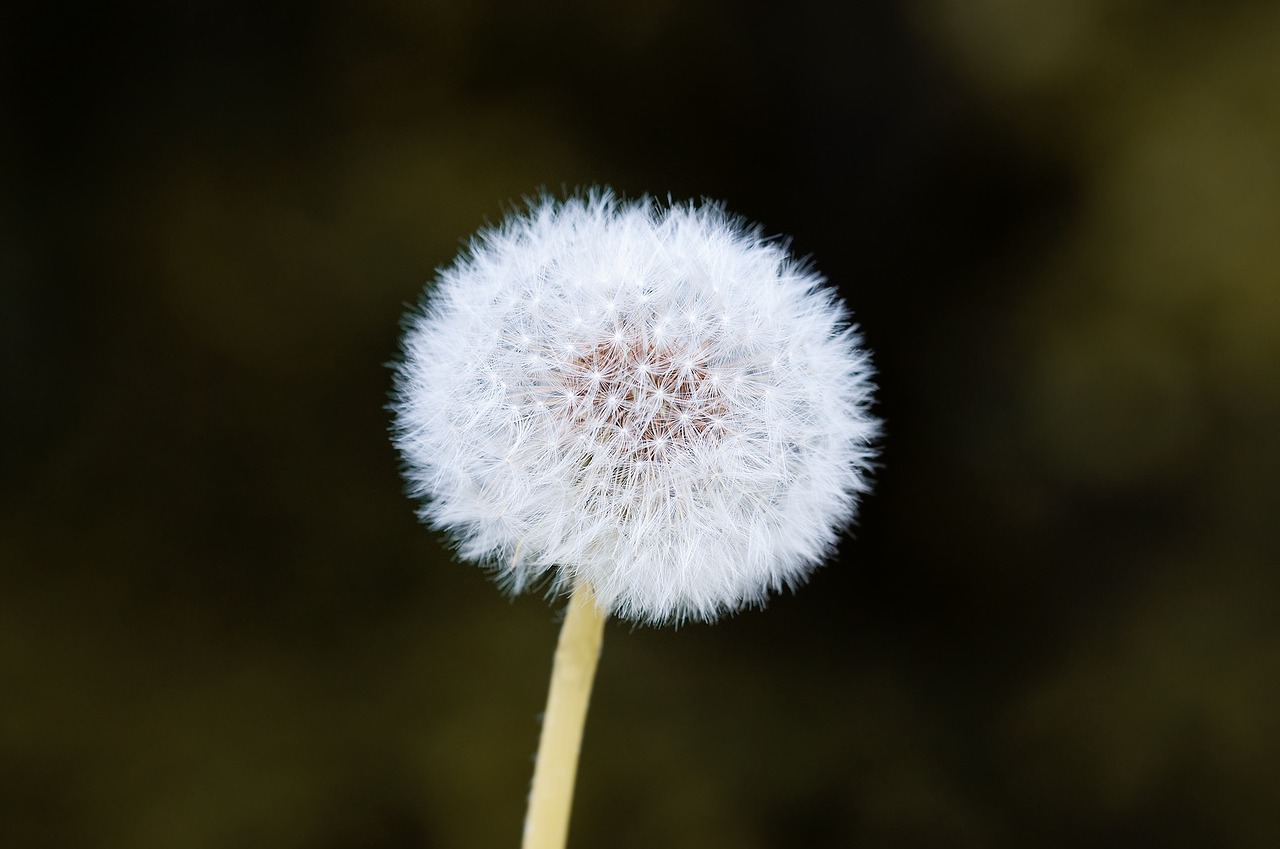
column 1054, row 625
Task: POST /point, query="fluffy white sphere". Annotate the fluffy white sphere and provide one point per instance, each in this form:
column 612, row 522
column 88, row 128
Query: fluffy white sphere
column 655, row 400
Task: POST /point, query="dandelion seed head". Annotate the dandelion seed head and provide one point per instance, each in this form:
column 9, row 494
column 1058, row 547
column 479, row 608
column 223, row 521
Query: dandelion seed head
column 566, row 411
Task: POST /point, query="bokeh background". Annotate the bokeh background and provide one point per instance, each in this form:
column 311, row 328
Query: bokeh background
column 1055, row 624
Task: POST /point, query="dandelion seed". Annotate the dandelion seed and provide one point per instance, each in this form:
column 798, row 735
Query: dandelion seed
column 680, row 468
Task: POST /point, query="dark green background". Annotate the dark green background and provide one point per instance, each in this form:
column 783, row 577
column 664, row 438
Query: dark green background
column 1055, row 626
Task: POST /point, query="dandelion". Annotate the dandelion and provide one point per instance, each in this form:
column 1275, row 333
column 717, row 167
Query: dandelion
column 653, row 407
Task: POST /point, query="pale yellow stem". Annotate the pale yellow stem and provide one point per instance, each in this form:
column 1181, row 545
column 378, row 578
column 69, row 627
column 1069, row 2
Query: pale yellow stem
column 546, row 825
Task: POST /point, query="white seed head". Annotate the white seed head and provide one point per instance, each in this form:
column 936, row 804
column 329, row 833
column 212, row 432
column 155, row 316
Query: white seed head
column 655, row 400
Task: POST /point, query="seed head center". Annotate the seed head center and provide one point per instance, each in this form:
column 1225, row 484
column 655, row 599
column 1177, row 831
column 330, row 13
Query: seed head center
column 643, row 397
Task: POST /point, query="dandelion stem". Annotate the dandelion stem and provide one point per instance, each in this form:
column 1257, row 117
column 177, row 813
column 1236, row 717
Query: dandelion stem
column 546, row 824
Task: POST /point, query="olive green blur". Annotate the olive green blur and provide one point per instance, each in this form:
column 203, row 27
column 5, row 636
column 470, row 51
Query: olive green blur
column 1055, row 625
